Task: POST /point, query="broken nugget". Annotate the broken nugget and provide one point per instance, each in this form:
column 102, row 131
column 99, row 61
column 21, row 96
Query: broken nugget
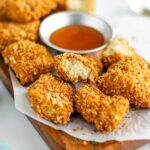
column 52, row 98
column 129, row 78
column 29, row 10
column 28, row 60
column 118, row 49
column 74, row 68
column 104, row 111
column 11, row 32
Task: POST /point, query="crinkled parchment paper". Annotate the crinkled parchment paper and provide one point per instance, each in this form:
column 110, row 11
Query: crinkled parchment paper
column 136, row 124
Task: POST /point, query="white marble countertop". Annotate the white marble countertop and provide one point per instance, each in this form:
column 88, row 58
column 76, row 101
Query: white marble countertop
column 16, row 130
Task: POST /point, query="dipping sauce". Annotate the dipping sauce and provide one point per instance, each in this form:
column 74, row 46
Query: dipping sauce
column 77, row 37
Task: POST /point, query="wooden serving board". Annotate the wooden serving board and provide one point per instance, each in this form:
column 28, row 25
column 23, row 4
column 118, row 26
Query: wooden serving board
column 58, row 140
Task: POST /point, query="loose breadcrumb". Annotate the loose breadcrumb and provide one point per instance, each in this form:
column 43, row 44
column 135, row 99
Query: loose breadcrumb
column 11, row 32
column 104, row 111
column 52, row 98
column 29, row 10
column 75, row 68
column 129, row 78
column 28, row 60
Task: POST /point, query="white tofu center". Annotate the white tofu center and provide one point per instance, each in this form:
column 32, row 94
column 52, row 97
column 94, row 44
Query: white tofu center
column 118, row 45
column 76, row 69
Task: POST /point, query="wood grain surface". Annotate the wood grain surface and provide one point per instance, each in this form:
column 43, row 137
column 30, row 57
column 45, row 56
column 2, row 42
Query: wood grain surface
column 58, row 140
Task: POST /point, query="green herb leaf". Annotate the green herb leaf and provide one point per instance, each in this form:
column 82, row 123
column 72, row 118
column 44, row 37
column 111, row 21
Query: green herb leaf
column 133, row 108
column 94, row 143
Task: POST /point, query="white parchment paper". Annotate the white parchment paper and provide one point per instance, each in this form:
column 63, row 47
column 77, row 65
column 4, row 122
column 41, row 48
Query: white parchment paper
column 136, row 124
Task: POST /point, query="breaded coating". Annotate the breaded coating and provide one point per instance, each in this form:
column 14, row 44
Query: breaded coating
column 118, row 49
column 28, row 60
column 104, row 111
column 11, row 32
column 29, row 10
column 129, row 78
column 2, row 10
column 52, row 98
column 76, row 68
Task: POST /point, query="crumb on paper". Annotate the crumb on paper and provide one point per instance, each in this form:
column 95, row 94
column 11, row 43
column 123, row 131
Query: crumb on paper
column 85, row 143
column 77, row 128
column 134, row 38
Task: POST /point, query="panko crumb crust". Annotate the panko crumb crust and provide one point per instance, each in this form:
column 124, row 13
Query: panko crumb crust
column 29, row 10
column 52, row 98
column 129, row 78
column 104, row 111
column 75, row 68
column 11, row 32
column 118, row 49
column 28, row 60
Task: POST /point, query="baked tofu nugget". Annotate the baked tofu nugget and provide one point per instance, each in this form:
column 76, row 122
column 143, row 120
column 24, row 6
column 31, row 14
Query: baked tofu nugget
column 75, row 68
column 104, row 111
column 29, row 10
column 52, row 98
column 11, row 32
column 129, row 78
column 28, row 60
column 118, row 49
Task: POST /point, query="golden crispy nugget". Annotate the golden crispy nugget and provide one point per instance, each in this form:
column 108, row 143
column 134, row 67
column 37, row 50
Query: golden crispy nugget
column 52, row 98
column 104, row 111
column 28, row 60
column 118, row 49
column 129, row 78
column 29, row 10
column 11, row 32
column 75, row 68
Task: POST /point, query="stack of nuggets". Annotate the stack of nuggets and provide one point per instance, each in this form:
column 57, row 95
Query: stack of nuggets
column 52, row 98
column 30, row 10
column 28, row 60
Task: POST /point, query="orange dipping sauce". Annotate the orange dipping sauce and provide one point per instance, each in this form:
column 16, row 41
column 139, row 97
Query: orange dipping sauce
column 77, row 37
